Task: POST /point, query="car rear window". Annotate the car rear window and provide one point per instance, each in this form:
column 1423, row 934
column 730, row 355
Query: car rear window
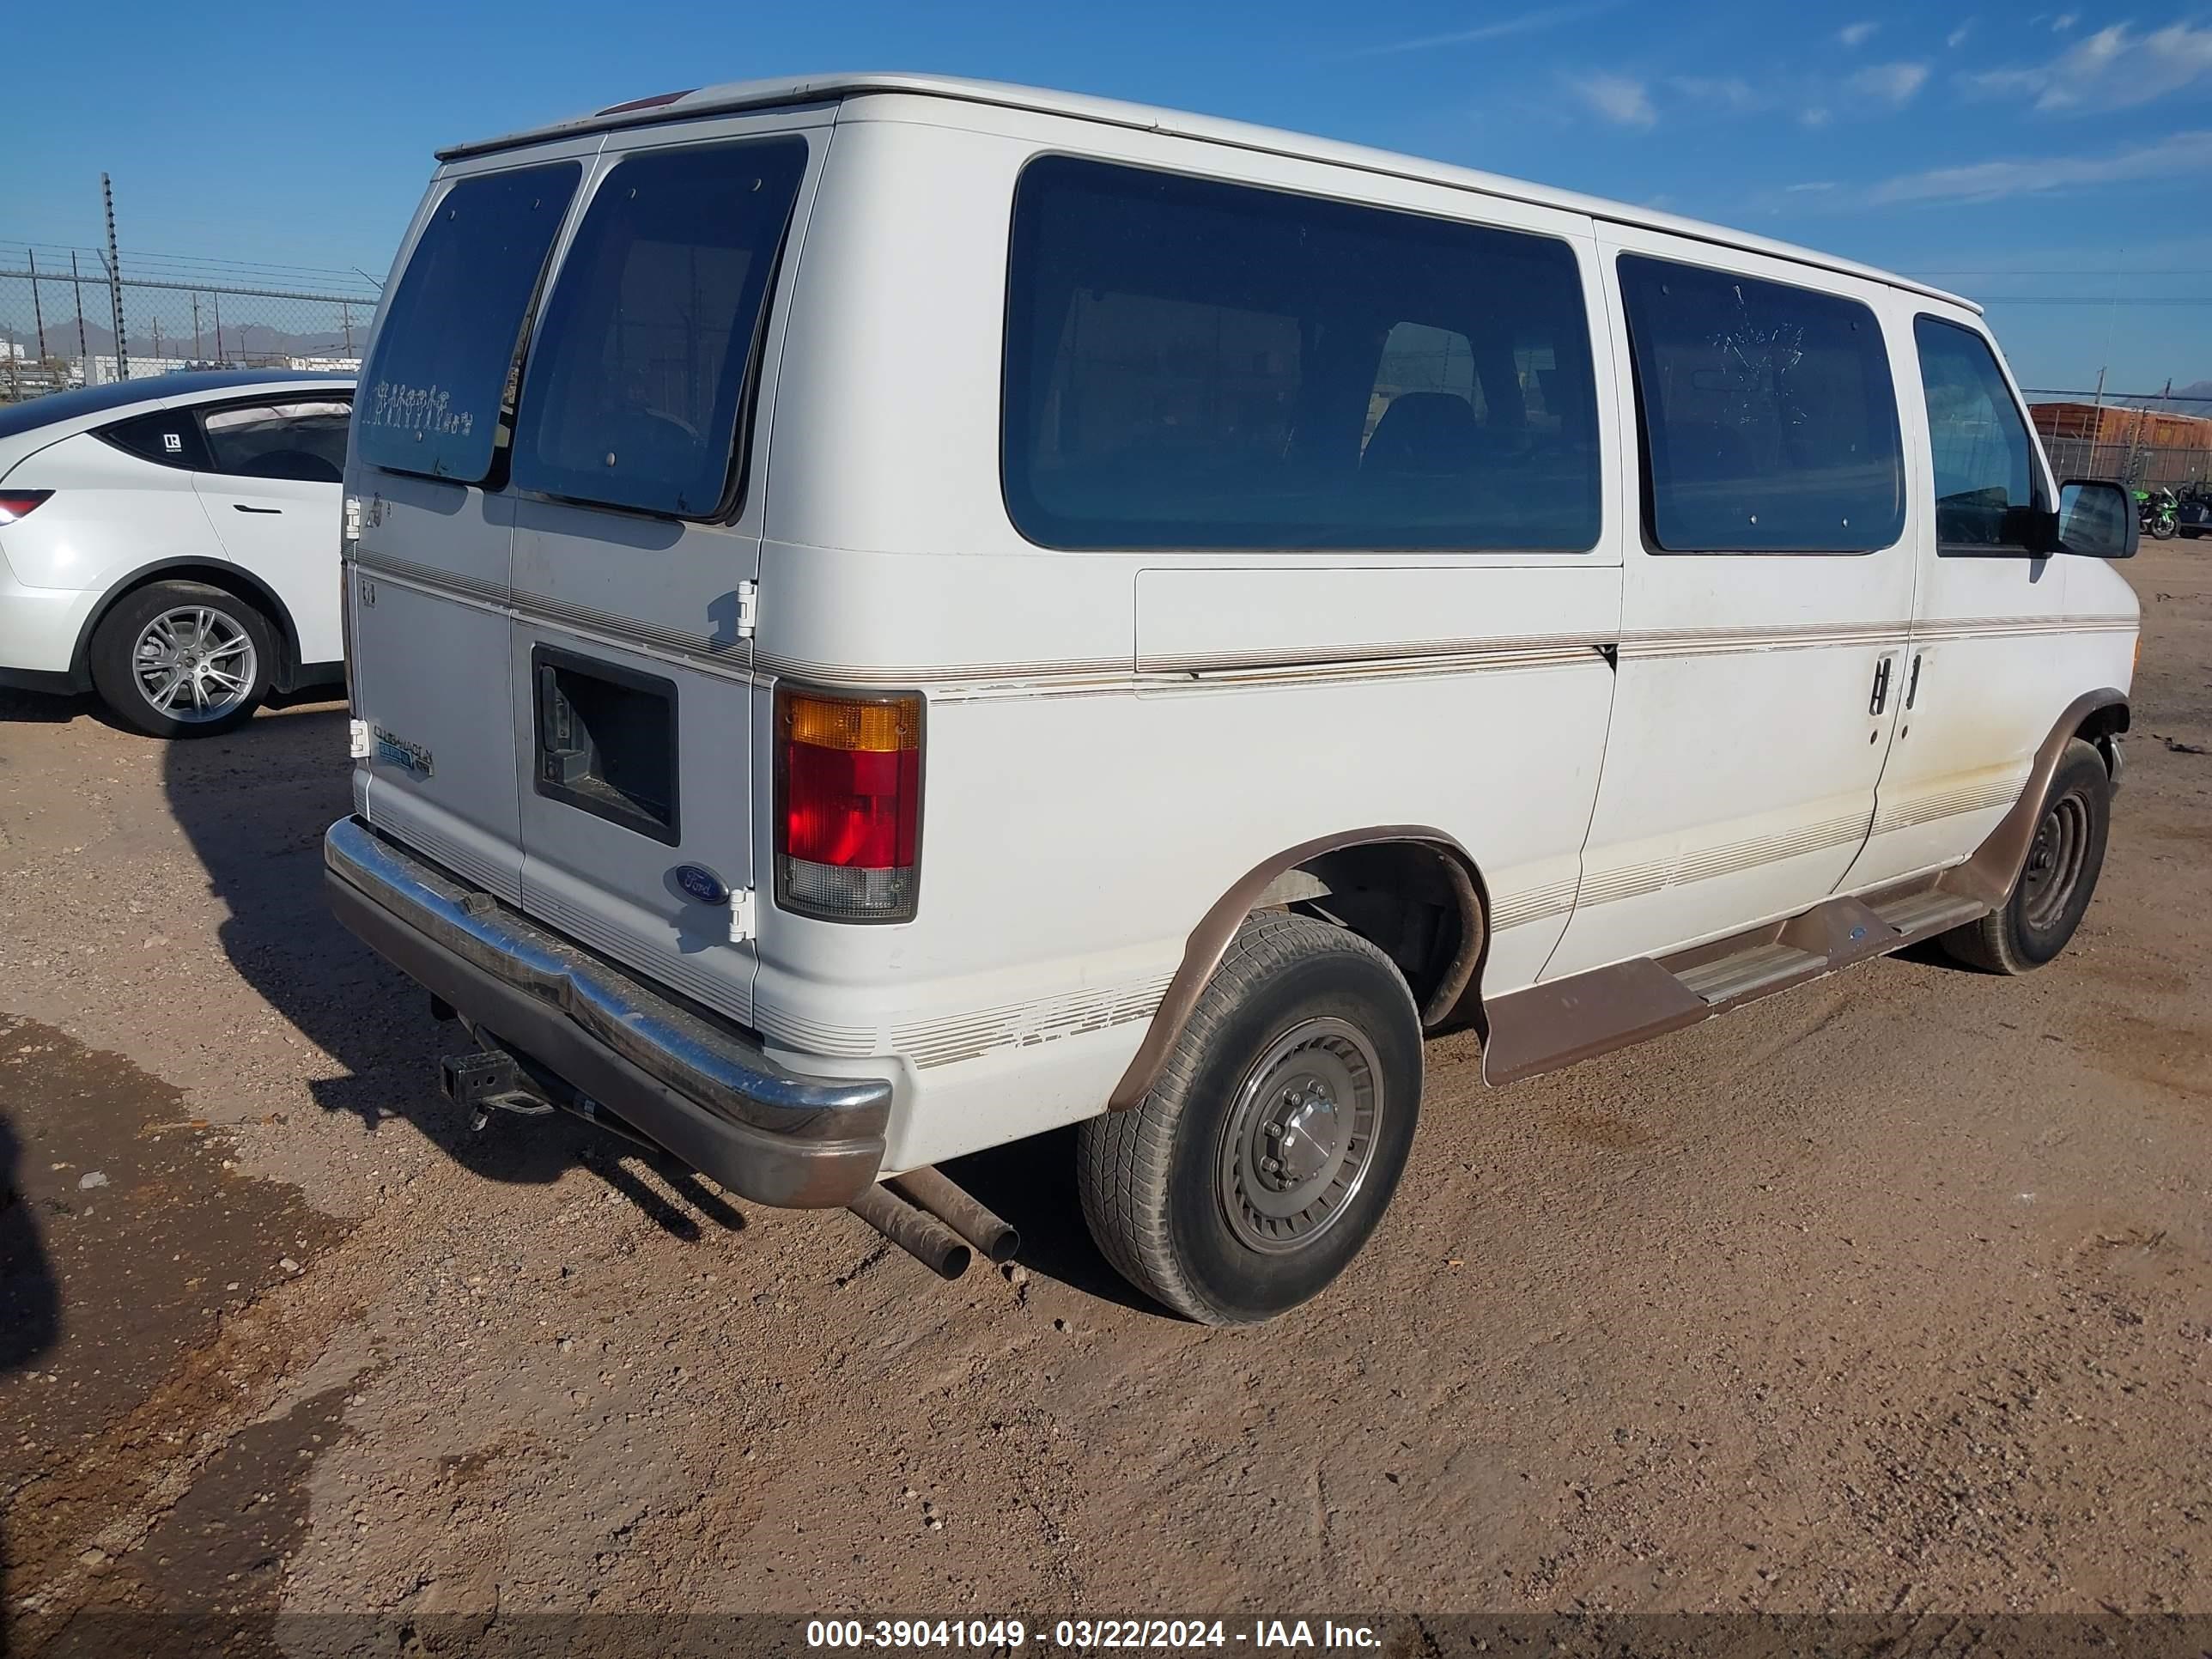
column 303, row 440
column 432, row 398
column 637, row 382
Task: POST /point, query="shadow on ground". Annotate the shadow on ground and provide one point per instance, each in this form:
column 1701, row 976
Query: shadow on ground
column 254, row 806
column 30, row 1298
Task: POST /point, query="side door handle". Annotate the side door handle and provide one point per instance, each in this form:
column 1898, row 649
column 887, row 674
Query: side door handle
column 241, row 507
column 1913, row 682
column 1879, row 699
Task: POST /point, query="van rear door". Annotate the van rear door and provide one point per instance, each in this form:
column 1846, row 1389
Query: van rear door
column 431, row 526
column 637, row 514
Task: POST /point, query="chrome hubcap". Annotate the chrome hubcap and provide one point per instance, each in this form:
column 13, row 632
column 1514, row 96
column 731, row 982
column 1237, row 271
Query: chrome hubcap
column 194, row 665
column 1300, row 1137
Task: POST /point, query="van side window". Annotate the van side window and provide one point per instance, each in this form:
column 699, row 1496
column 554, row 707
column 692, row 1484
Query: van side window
column 645, row 356
column 435, row 393
column 1987, row 498
column 1196, row 364
column 1768, row 417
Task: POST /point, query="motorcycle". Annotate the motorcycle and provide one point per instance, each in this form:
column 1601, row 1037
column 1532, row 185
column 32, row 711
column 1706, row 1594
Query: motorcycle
column 2158, row 513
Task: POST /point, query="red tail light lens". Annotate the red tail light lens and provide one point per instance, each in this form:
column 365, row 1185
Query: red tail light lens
column 848, row 804
column 17, row 504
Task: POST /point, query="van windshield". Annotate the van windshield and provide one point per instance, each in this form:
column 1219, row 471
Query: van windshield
column 431, row 398
column 637, row 380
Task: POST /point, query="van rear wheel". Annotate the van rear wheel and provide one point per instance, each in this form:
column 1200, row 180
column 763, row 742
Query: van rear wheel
column 2056, row 880
column 1262, row 1159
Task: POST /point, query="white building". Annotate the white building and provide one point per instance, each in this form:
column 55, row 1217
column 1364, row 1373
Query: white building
column 101, row 371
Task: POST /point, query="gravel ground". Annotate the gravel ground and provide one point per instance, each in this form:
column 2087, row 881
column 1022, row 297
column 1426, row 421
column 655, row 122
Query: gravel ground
column 1890, row 1294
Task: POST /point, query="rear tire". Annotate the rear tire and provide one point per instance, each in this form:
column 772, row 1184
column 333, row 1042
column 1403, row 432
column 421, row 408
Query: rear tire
column 183, row 659
column 1262, row 1159
column 2056, row 880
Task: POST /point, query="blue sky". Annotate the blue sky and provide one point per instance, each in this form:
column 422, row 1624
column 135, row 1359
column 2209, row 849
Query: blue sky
column 2010, row 152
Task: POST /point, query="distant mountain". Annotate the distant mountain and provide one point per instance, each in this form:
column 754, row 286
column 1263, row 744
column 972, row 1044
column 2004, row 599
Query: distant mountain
column 2194, row 398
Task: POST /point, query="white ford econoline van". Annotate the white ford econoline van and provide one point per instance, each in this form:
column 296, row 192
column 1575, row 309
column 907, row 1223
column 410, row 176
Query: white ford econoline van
column 890, row 614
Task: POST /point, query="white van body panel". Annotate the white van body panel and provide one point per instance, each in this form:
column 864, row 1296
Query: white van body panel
column 1999, row 646
column 1085, row 684
column 1635, row 751
column 1740, row 767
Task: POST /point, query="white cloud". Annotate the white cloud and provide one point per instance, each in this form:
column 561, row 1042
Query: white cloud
column 1618, row 98
column 1856, row 35
column 2063, row 21
column 1892, row 83
column 1957, row 37
column 1810, row 184
column 1527, row 22
column 2113, row 69
column 1813, row 115
column 2179, row 154
column 1730, row 92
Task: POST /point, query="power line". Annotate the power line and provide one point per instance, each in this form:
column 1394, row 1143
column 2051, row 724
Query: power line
column 2021, row 271
column 2093, row 300
column 2109, row 396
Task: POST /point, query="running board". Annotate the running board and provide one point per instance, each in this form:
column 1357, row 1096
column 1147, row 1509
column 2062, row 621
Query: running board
column 1734, row 978
column 1931, row 912
column 1556, row 1023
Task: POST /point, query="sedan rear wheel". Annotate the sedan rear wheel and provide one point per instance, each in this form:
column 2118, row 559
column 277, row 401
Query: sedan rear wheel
column 182, row 659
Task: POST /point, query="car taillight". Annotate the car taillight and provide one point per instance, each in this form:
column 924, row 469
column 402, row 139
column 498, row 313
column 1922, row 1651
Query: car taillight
column 18, row 503
column 847, row 804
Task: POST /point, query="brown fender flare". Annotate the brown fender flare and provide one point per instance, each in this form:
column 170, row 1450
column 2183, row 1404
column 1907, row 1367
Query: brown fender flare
column 1209, row 941
column 1988, row 877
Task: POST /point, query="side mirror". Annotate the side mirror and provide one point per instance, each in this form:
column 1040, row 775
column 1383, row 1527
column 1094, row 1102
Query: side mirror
column 2096, row 519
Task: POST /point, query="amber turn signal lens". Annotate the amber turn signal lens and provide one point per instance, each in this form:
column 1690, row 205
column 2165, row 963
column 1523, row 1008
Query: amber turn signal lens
column 882, row 728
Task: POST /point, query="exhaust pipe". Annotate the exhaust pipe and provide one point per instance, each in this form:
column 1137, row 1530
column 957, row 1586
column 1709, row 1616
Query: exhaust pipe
column 917, row 1232
column 928, row 1189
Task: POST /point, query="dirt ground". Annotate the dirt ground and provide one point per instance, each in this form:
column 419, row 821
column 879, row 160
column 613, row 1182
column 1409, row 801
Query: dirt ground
column 1890, row 1294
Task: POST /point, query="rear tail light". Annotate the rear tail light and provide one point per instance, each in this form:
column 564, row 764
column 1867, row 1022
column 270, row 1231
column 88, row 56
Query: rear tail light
column 17, row 504
column 847, row 804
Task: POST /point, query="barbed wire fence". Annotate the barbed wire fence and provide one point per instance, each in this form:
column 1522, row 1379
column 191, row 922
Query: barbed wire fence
column 67, row 320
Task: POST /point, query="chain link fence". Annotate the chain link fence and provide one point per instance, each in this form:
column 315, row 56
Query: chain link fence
column 2140, row 467
column 65, row 322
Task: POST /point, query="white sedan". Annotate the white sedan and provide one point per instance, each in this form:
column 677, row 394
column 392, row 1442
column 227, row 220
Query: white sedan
column 173, row 544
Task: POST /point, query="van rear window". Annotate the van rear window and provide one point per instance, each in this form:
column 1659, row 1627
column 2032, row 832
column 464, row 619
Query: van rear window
column 1769, row 419
column 432, row 398
column 1191, row 363
column 643, row 364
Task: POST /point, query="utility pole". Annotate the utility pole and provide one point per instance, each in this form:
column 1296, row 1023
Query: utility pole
column 345, row 320
column 2097, row 422
column 76, row 286
column 216, row 300
column 37, row 313
column 115, row 282
column 196, row 354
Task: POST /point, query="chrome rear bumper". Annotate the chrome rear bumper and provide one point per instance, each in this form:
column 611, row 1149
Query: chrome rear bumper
column 702, row 1089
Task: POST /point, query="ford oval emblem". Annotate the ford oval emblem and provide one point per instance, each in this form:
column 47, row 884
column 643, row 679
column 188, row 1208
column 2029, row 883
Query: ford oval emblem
column 701, row 884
